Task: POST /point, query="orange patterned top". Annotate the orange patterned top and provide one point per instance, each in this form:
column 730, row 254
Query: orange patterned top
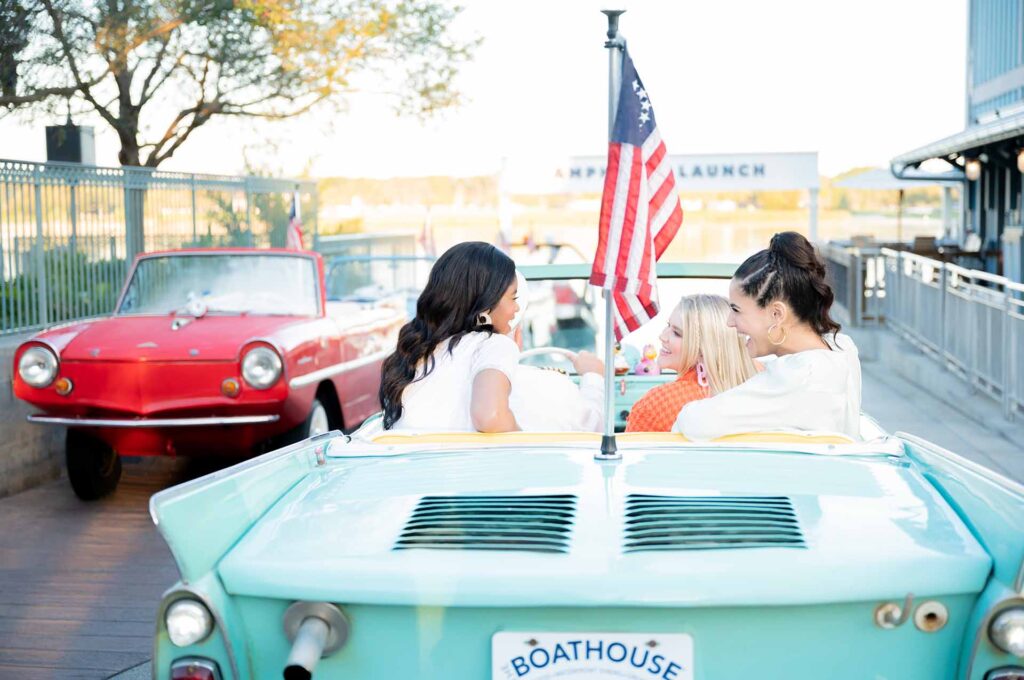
column 657, row 410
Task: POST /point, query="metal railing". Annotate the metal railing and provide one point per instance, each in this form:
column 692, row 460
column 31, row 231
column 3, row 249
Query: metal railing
column 68, row 231
column 857, row 275
column 971, row 320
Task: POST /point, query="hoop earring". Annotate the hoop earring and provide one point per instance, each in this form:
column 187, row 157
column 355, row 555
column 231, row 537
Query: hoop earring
column 781, row 340
column 484, row 319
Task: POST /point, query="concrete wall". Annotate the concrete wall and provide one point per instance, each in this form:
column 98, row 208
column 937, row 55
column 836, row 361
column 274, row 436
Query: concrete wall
column 29, row 454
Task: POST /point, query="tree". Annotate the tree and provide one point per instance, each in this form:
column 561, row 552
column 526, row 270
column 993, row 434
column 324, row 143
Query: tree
column 157, row 70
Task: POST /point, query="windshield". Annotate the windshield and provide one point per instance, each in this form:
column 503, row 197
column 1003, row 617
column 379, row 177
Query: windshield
column 233, row 283
column 569, row 313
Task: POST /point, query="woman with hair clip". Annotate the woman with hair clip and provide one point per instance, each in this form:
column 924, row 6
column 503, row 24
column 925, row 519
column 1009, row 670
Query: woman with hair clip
column 781, row 301
column 454, row 364
column 708, row 356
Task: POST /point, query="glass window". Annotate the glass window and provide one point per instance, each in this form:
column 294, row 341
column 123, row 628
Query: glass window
column 232, row 283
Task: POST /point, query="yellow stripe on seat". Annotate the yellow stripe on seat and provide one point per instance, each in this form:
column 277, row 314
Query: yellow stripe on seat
column 784, row 438
column 493, row 438
column 488, row 438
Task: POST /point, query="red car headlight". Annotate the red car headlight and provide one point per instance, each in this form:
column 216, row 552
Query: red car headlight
column 38, row 366
column 261, row 367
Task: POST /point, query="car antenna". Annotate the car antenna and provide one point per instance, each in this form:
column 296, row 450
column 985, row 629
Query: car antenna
column 615, row 43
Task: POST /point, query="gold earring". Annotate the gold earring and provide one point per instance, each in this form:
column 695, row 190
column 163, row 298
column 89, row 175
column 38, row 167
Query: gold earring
column 484, row 319
column 781, row 340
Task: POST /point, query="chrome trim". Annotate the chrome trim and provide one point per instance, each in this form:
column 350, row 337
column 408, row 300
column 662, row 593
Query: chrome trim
column 318, row 375
column 982, row 632
column 338, row 624
column 178, row 592
column 153, row 422
column 202, row 662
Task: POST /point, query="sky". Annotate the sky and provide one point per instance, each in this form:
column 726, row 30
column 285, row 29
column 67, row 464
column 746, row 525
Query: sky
column 857, row 82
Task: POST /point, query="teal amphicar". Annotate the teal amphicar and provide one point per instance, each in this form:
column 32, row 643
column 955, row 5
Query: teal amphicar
column 797, row 555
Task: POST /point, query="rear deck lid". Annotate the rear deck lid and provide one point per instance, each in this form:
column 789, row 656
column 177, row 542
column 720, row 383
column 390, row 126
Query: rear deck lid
column 663, row 527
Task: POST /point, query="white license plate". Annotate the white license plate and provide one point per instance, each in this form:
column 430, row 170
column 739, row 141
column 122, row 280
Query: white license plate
column 539, row 656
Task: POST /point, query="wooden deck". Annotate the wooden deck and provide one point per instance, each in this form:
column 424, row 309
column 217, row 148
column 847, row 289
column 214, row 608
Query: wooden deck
column 80, row 582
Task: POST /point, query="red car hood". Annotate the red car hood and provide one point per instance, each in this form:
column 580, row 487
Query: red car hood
column 152, row 338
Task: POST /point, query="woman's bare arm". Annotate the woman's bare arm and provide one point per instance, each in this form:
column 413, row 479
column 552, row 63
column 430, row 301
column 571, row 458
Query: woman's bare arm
column 489, row 404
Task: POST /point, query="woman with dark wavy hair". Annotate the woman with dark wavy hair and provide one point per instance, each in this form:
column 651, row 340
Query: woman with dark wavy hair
column 454, row 365
column 781, row 301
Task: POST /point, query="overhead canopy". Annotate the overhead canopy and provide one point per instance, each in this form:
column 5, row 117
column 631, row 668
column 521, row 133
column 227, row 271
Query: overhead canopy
column 972, row 138
column 879, row 179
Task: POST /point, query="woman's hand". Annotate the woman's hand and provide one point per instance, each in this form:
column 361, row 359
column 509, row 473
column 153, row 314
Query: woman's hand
column 587, row 362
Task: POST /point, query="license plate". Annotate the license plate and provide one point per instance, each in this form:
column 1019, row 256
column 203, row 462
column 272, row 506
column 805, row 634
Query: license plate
column 538, row 656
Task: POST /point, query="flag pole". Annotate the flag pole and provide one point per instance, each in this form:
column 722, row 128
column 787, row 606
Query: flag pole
column 614, row 45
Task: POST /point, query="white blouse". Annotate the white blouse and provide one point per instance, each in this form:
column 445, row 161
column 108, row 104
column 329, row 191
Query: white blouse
column 441, row 401
column 811, row 390
column 548, row 401
column 540, row 400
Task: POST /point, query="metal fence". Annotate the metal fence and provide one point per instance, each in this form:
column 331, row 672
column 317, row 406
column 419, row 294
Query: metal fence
column 68, row 232
column 857, row 275
column 971, row 320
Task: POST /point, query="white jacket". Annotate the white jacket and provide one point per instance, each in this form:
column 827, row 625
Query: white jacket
column 811, row 390
column 549, row 401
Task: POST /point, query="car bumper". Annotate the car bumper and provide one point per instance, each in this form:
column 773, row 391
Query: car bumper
column 154, row 422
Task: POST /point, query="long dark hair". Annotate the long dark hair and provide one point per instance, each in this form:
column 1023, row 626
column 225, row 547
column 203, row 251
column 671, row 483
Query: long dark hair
column 790, row 270
column 470, row 278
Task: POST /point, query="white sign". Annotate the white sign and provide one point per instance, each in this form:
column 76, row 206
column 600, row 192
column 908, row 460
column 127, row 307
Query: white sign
column 639, row 656
column 710, row 172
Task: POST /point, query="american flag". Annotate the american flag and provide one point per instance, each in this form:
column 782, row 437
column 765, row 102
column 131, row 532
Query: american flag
column 293, row 236
column 640, row 211
column 426, row 237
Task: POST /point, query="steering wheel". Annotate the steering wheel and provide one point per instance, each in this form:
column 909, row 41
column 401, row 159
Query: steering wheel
column 538, row 351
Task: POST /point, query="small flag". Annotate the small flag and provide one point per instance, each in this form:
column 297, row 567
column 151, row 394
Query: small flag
column 530, row 241
column 293, row 236
column 426, row 238
column 640, row 211
column 501, row 241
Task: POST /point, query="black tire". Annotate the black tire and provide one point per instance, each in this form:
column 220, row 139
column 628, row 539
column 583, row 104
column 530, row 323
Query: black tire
column 94, row 469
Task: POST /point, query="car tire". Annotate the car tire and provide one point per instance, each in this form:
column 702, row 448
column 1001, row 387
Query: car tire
column 94, row 469
column 317, row 422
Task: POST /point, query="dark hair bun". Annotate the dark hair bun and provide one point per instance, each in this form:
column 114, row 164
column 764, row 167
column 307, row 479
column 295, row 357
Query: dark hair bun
column 798, row 252
column 791, row 270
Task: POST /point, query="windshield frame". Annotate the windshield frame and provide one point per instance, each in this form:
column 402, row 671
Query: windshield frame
column 315, row 259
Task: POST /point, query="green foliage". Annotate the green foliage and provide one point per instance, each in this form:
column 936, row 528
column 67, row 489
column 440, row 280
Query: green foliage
column 76, row 287
column 227, row 227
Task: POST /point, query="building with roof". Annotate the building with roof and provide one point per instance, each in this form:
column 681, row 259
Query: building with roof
column 988, row 155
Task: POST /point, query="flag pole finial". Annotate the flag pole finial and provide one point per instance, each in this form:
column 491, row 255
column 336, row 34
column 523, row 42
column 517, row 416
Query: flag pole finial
column 613, row 26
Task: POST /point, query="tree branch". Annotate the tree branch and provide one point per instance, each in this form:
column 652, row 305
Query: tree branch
column 83, row 87
column 157, row 61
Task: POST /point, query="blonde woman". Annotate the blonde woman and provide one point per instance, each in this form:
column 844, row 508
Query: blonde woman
column 708, row 356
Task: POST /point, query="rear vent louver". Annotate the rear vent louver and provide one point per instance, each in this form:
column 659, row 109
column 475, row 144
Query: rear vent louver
column 518, row 523
column 710, row 523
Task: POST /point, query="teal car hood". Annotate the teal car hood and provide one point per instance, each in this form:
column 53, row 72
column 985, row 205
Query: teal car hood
column 873, row 529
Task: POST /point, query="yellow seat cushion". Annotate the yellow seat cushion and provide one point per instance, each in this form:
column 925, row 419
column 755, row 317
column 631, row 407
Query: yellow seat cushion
column 583, row 437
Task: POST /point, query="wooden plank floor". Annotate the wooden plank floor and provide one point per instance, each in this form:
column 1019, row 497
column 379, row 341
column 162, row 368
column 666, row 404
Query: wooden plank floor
column 80, row 582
